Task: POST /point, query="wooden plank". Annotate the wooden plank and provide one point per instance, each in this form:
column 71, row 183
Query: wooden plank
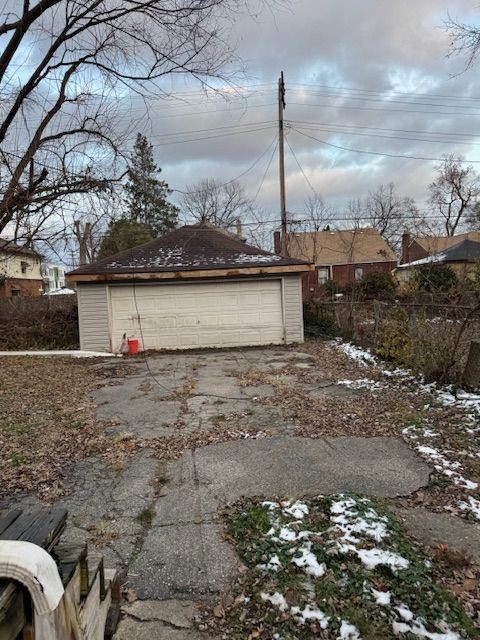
column 12, row 611
column 182, row 275
column 41, row 527
column 7, row 519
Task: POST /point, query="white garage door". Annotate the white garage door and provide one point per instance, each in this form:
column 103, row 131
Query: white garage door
column 186, row 316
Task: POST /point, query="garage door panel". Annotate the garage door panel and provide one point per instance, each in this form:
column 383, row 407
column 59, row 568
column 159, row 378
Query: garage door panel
column 185, row 316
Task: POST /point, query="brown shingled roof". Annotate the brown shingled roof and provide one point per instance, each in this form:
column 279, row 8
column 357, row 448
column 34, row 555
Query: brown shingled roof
column 343, row 246
column 11, row 247
column 189, row 248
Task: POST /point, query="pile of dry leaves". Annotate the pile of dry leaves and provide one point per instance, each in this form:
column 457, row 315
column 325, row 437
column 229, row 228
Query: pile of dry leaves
column 47, row 421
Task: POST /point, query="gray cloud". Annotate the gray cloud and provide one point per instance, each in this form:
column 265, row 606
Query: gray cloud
column 369, row 45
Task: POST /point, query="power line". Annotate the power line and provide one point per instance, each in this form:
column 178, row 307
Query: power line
column 355, row 126
column 377, row 153
column 301, row 168
column 254, row 164
column 265, row 173
column 409, row 93
column 342, row 106
column 387, row 137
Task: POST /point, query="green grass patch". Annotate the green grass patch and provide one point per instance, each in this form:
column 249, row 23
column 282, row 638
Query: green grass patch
column 273, row 544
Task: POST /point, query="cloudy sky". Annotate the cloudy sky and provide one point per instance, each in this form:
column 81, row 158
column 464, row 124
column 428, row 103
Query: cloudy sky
column 366, row 75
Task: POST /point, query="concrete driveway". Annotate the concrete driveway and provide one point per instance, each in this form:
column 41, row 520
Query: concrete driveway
column 159, row 520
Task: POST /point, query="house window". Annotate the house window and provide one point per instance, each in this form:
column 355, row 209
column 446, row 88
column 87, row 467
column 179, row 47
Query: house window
column 15, row 292
column 358, row 273
column 323, row 275
column 24, row 267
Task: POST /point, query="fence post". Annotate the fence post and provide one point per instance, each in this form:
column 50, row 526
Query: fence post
column 471, row 374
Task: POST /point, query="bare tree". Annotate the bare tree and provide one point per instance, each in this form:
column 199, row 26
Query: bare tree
column 317, row 216
column 464, row 40
column 389, row 213
column 455, row 192
column 216, row 203
column 66, row 69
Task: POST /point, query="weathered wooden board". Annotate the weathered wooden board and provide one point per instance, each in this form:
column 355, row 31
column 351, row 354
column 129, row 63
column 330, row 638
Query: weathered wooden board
column 41, row 527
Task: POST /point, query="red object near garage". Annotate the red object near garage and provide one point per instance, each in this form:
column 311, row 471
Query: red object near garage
column 132, row 345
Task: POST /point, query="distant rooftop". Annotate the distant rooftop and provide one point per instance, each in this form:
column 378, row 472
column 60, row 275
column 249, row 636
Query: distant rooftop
column 463, row 251
column 342, row 246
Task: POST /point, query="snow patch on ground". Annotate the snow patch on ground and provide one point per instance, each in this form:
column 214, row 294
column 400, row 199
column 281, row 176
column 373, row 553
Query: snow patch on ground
column 308, row 561
column 468, row 403
column 348, row 632
column 409, row 623
column 363, row 383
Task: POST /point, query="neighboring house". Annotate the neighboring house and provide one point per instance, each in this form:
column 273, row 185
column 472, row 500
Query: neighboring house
column 463, row 258
column 53, row 277
column 194, row 287
column 343, row 256
column 20, row 271
column 418, row 247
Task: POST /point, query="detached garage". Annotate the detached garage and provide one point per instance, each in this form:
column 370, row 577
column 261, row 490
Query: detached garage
column 195, row 287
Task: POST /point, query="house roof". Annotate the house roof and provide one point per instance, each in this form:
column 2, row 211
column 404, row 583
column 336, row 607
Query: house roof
column 344, row 246
column 436, row 244
column 11, row 247
column 197, row 247
column 464, row 251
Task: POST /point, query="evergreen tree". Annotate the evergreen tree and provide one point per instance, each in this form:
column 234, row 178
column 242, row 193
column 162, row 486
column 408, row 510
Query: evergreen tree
column 123, row 234
column 146, row 194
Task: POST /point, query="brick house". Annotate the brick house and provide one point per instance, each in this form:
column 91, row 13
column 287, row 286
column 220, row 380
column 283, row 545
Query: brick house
column 419, row 247
column 343, row 256
column 20, row 271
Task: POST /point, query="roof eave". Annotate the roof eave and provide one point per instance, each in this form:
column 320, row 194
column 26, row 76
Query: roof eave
column 183, row 275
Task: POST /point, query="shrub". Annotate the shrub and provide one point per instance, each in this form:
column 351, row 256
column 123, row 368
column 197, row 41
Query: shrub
column 435, row 277
column 378, row 285
column 318, row 322
column 39, row 323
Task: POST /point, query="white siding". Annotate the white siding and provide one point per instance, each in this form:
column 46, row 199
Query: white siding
column 292, row 291
column 93, row 317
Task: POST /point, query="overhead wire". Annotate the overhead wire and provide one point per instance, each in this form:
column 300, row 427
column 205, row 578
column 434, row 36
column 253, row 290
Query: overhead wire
column 378, row 153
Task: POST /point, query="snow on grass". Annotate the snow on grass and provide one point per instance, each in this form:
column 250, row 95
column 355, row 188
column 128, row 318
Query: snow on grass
column 308, row 561
column 308, row 614
column 298, row 509
column 331, row 561
column 347, row 519
column 444, row 460
column 363, row 357
column 472, row 505
column 277, row 599
column 348, row 632
column 409, row 623
column 382, row 597
column 363, row 383
column 273, row 564
column 445, row 466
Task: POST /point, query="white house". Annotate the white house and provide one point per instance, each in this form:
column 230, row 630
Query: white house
column 20, row 271
column 53, row 277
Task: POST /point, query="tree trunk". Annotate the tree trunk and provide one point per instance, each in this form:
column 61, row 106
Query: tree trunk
column 471, row 375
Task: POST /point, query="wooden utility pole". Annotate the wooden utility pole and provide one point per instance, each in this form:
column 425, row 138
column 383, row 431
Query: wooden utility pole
column 281, row 152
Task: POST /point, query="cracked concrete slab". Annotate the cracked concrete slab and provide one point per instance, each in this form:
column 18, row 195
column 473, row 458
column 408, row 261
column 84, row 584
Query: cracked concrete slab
column 174, row 552
column 183, row 561
column 202, row 481
column 433, row 529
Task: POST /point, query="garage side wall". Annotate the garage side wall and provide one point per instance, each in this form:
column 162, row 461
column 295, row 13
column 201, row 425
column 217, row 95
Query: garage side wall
column 93, row 318
column 292, row 292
